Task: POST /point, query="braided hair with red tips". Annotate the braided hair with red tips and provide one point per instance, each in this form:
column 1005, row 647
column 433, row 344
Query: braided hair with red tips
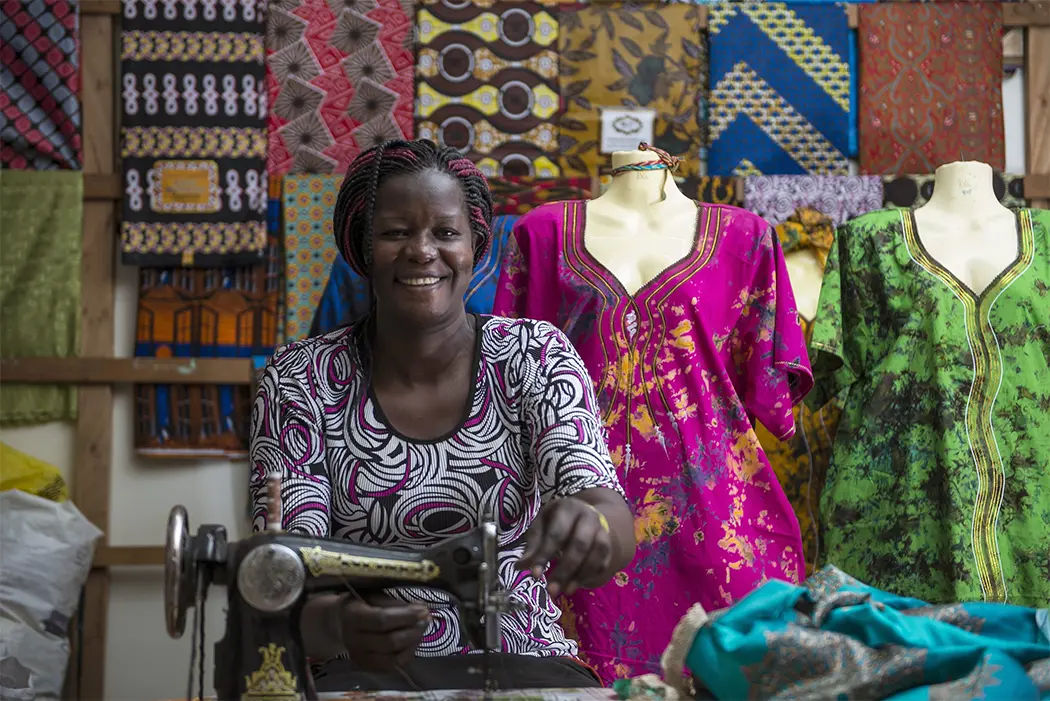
column 356, row 203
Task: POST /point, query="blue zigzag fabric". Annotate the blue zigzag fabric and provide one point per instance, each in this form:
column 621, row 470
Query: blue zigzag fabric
column 780, row 89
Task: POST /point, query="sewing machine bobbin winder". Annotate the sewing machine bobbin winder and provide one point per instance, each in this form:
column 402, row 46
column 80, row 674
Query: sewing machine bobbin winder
column 269, row 576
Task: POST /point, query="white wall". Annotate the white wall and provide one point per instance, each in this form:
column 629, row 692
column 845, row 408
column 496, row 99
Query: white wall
column 142, row 663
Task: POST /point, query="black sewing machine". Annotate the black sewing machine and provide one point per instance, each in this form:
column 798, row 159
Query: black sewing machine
column 269, row 576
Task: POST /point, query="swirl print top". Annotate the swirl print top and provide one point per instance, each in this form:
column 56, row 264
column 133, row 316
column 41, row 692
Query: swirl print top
column 531, row 434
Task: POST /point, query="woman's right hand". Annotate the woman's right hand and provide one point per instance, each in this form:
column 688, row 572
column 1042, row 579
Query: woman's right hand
column 381, row 634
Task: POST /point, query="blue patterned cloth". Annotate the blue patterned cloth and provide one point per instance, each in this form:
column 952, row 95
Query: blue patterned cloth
column 346, row 297
column 836, row 638
column 781, row 82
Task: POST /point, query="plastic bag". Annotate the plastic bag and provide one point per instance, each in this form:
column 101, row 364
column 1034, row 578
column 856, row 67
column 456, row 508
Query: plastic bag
column 33, row 476
column 47, row 548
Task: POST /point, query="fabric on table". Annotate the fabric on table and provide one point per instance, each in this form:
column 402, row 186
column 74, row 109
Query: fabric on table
column 780, row 89
column 930, row 86
column 937, row 486
column 339, row 80
column 309, row 247
column 39, row 85
column 41, row 235
column 519, row 195
column 228, row 312
column 616, row 55
column 836, row 638
column 916, row 190
column 801, row 462
column 777, row 197
column 679, row 368
column 487, row 84
column 193, row 134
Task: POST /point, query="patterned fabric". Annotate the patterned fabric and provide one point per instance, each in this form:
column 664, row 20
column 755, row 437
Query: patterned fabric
column 41, row 236
column 938, row 485
column 679, row 367
column 916, row 190
column 835, row 638
column 930, row 86
column 519, row 195
column 193, row 134
column 309, row 248
column 801, row 462
column 780, row 96
column 356, row 478
column 630, row 55
column 203, row 313
column 777, row 197
column 347, row 296
column 713, row 189
column 339, row 80
column 487, row 84
column 39, row 85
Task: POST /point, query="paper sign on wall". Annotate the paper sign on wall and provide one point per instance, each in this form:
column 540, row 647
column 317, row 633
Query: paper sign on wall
column 624, row 128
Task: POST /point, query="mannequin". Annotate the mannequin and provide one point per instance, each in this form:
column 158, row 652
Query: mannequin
column 641, row 225
column 683, row 317
column 965, row 228
column 807, row 273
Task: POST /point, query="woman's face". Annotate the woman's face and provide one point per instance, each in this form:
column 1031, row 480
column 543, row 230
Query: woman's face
column 422, row 248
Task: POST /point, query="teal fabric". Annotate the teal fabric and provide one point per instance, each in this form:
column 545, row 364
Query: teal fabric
column 836, row 638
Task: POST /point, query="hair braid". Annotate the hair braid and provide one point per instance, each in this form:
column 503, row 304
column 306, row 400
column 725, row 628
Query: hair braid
column 355, row 206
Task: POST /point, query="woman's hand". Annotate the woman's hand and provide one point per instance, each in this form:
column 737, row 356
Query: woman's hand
column 577, row 535
column 381, row 634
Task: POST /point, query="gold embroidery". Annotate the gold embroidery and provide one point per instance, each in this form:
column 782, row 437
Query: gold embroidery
column 325, row 562
column 185, row 187
column 271, row 682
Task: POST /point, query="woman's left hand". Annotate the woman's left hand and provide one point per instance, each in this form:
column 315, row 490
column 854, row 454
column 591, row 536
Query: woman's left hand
column 575, row 534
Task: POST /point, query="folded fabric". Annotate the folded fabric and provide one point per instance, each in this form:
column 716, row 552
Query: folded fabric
column 193, row 134
column 309, row 247
column 834, row 637
column 780, row 89
column 519, row 195
column 630, row 55
column 339, row 81
column 39, row 85
column 776, row 197
column 41, row 234
column 916, row 190
column 487, row 84
column 930, row 86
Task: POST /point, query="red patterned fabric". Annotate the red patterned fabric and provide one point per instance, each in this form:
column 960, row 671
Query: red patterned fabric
column 339, row 80
column 39, row 85
column 930, row 86
column 519, row 195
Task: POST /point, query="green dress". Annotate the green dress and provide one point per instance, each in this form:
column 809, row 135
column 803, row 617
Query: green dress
column 939, row 483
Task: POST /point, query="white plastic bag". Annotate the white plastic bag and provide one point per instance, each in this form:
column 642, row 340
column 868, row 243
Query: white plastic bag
column 46, row 549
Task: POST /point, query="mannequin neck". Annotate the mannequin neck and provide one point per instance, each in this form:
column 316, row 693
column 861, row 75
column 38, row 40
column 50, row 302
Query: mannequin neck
column 964, row 189
column 641, row 188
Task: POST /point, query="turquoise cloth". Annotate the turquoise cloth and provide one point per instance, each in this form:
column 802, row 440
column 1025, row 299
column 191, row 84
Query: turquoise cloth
column 836, row 638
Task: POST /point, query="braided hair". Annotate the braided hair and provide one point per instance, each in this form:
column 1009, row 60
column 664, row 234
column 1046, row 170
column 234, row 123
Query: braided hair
column 355, row 206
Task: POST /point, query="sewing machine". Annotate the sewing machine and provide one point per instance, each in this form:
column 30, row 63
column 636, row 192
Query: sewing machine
column 269, row 576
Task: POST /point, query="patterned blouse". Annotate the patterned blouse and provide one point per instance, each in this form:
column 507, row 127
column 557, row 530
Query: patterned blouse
column 531, row 434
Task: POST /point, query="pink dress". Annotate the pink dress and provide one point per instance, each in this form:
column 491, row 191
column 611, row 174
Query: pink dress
column 682, row 369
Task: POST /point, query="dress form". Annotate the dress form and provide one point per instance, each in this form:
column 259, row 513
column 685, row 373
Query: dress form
column 964, row 228
column 806, row 272
column 641, row 225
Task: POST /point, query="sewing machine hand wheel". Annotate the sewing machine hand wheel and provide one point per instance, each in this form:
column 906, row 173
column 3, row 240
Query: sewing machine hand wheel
column 179, row 572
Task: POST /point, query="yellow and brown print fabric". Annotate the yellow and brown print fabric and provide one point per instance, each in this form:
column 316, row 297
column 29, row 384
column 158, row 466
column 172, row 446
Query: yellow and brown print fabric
column 801, row 462
column 616, row 55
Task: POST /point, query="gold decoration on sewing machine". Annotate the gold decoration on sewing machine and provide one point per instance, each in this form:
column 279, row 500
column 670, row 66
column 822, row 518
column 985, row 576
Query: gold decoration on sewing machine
column 325, row 562
column 271, row 682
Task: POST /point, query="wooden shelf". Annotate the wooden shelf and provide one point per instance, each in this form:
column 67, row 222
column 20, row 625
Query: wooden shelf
column 102, row 187
column 1026, row 14
column 110, row 371
column 128, row 556
column 100, row 7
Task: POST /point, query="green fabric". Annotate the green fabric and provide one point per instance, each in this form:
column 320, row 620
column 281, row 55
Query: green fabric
column 41, row 224
column 939, row 483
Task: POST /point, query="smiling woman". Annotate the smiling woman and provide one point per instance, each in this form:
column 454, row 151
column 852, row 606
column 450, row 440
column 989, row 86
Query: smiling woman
column 403, row 428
